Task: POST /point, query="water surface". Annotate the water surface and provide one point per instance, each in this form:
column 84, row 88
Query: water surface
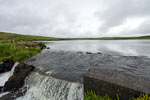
column 113, row 47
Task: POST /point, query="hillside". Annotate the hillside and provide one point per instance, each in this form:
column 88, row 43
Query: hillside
column 112, row 38
column 18, row 37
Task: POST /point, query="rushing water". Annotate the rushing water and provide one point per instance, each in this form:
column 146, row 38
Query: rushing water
column 43, row 87
column 5, row 76
column 113, row 47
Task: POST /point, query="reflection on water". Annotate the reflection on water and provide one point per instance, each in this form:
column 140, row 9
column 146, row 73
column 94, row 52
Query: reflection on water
column 113, row 47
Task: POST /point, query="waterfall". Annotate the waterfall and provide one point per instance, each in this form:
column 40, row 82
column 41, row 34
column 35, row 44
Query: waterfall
column 13, row 68
column 42, row 86
column 4, row 77
column 45, row 87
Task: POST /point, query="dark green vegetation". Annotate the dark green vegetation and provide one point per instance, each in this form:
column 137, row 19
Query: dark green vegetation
column 93, row 96
column 111, row 38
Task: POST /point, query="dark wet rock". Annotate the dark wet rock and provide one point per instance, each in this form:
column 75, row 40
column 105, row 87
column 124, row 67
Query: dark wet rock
column 16, row 81
column 88, row 53
column 112, row 82
column 1, row 89
column 6, row 65
column 13, row 95
column 99, row 53
column 42, row 46
column 9, row 96
column 48, row 47
column 21, row 92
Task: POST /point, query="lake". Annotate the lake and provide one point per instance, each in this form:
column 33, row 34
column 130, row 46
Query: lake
column 112, row 47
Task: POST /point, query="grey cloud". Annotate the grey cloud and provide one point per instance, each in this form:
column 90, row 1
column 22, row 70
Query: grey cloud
column 118, row 11
column 144, row 28
column 71, row 18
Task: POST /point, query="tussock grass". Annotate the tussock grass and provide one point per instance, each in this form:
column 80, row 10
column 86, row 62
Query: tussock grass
column 93, row 96
column 19, row 47
column 17, row 53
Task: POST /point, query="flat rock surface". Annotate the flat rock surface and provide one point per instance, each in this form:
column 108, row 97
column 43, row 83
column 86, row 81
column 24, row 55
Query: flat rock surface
column 72, row 66
column 120, row 78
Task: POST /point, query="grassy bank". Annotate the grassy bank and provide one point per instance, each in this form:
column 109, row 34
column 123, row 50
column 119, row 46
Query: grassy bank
column 18, row 51
column 93, row 96
column 19, row 47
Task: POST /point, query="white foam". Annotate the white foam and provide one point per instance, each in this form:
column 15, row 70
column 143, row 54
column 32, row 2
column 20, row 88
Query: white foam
column 48, row 88
column 12, row 70
column 4, row 77
column 2, row 94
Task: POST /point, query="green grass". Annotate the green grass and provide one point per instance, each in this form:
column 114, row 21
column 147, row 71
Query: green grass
column 17, row 37
column 93, row 96
column 17, row 52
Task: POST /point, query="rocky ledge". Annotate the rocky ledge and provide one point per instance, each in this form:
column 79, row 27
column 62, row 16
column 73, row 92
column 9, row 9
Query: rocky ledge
column 6, row 65
column 16, row 82
column 113, row 82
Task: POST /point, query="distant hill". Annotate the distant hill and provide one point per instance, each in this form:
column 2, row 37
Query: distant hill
column 113, row 38
column 13, row 36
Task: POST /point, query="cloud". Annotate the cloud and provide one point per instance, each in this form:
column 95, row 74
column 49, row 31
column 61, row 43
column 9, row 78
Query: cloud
column 119, row 10
column 75, row 18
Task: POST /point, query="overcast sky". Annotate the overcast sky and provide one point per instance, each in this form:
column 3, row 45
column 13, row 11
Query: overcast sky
column 76, row 18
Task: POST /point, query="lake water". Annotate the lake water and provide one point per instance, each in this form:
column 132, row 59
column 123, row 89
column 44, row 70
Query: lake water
column 112, row 47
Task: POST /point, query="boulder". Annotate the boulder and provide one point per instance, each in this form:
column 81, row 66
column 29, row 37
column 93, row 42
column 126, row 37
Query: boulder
column 113, row 82
column 48, row 47
column 16, row 81
column 6, row 65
